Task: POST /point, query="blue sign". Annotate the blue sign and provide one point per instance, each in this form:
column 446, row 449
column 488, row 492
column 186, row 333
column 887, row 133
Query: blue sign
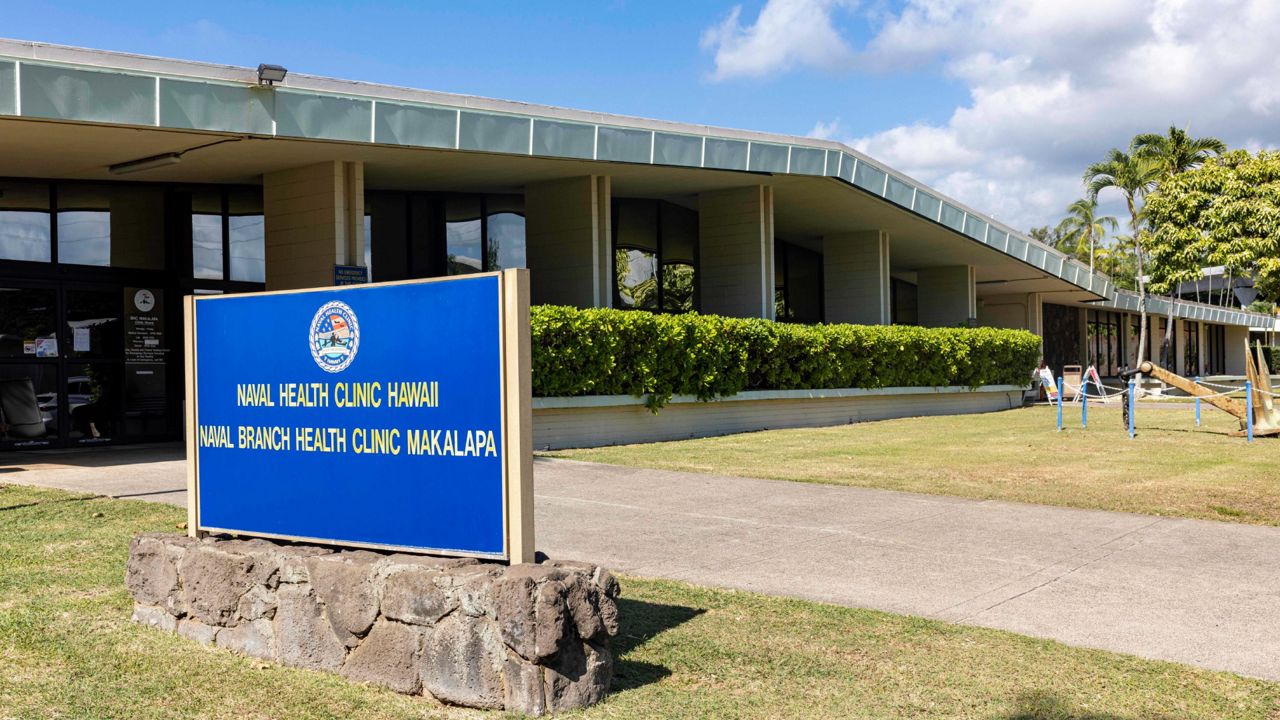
column 350, row 275
column 370, row 415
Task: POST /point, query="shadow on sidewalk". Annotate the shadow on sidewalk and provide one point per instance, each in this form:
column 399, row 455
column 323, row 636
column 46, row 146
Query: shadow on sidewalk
column 92, row 457
column 641, row 622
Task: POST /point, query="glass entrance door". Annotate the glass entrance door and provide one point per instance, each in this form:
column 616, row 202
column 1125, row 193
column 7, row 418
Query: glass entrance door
column 83, row 364
column 32, row 407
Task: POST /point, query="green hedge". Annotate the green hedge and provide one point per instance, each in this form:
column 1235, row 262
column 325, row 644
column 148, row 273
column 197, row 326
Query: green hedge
column 616, row 352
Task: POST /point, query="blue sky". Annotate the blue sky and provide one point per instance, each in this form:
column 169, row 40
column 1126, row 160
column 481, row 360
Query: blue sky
column 999, row 103
column 636, row 58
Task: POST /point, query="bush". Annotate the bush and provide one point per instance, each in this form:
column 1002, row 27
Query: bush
column 617, row 352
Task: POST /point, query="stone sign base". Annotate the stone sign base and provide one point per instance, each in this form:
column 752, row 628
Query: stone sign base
column 524, row 638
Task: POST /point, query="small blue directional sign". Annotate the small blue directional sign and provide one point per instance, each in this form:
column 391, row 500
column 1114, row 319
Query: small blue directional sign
column 370, row 415
column 350, row 275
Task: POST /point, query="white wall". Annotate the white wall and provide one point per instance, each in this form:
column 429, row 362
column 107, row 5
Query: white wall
column 589, row 422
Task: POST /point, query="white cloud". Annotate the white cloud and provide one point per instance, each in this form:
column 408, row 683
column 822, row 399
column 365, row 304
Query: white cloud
column 1052, row 85
column 787, row 34
column 825, row 130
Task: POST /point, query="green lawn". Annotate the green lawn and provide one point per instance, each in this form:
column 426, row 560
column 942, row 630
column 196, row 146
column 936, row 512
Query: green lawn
column 68, row 650
column 1171, row 468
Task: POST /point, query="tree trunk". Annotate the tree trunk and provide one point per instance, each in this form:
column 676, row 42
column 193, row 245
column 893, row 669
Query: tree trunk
column 1142, row 290
column 1170, row 362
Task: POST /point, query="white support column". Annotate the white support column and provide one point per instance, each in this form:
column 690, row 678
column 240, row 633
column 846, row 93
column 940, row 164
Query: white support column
column 568, row 236
column 314, row 219
column 735, row 253
column 948, row 295
column 855, row 278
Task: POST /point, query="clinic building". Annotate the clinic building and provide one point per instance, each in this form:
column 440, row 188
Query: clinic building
column 127, row 182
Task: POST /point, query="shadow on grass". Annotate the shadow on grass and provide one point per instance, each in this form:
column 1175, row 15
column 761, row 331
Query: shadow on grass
column 78, row 498
column 641, row 622
column 1045, row 706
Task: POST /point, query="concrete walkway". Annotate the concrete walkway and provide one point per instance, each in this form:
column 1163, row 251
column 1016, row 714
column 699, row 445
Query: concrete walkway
column 1197, row 592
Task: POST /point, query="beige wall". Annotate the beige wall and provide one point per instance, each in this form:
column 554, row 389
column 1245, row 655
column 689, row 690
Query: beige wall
column 1019, row 311
column 948, row 295
column 855, row 278
column 568, row 231
column 314, row 218
column 735, row 251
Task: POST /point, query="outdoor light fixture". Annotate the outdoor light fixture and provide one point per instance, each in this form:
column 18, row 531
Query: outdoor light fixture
column 146, row 163
column 271, row 74
column 164, row 159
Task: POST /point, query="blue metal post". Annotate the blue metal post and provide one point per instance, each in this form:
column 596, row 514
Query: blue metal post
column 1059, row 403
column 1084, row 404
column 1248, row 409
column 1132, row 394
column 1197, row 404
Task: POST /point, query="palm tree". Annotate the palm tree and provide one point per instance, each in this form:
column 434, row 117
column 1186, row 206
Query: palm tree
column 1177, row 151
column 1172, row 154
column 1133, row 177
column 1083, row 228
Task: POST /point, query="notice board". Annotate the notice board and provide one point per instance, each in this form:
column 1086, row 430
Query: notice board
column 391, row 416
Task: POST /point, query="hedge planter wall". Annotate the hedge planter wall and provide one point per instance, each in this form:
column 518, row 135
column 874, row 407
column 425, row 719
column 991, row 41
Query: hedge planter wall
column 617, row 352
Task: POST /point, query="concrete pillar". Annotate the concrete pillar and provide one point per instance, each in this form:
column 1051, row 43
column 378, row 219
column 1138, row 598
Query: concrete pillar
column 1035, row 314
column 948, row 295
column 314, row 218
column 1235, row 338
column 568, row 241
column 855, row 278
column 735, row 252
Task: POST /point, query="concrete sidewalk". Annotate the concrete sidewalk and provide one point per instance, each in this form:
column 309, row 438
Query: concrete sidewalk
column 1197, row 592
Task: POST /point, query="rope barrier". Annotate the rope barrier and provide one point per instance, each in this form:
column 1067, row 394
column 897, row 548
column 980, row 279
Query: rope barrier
column 1083, row 391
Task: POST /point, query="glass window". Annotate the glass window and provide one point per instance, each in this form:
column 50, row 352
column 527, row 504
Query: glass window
column 93, row 401
column 797, row 274
column 655, row 256
column 24, row 222
column 368, row 245
column 1216, row 346
column 1190, row 348
column 94, row 326
column 1104, row 342
column 28, row 403
column 206, row 235
column 679, row 283
column 637, row 276
column 111, row 225
column 903, row 301
column 505, row 232
column 247, row 233
column 1156, row 348
column 27, row 322
column 462, row 236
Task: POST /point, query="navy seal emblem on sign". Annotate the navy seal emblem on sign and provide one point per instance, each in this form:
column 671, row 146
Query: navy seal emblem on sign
column 335, row 336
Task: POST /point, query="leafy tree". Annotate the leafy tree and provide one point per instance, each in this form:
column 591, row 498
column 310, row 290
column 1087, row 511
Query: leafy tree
column 1047, row 235
column 1226, row 212
column 1082, row 229
column 1119, row 262
column 1174, row 153
column 1133, row 177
